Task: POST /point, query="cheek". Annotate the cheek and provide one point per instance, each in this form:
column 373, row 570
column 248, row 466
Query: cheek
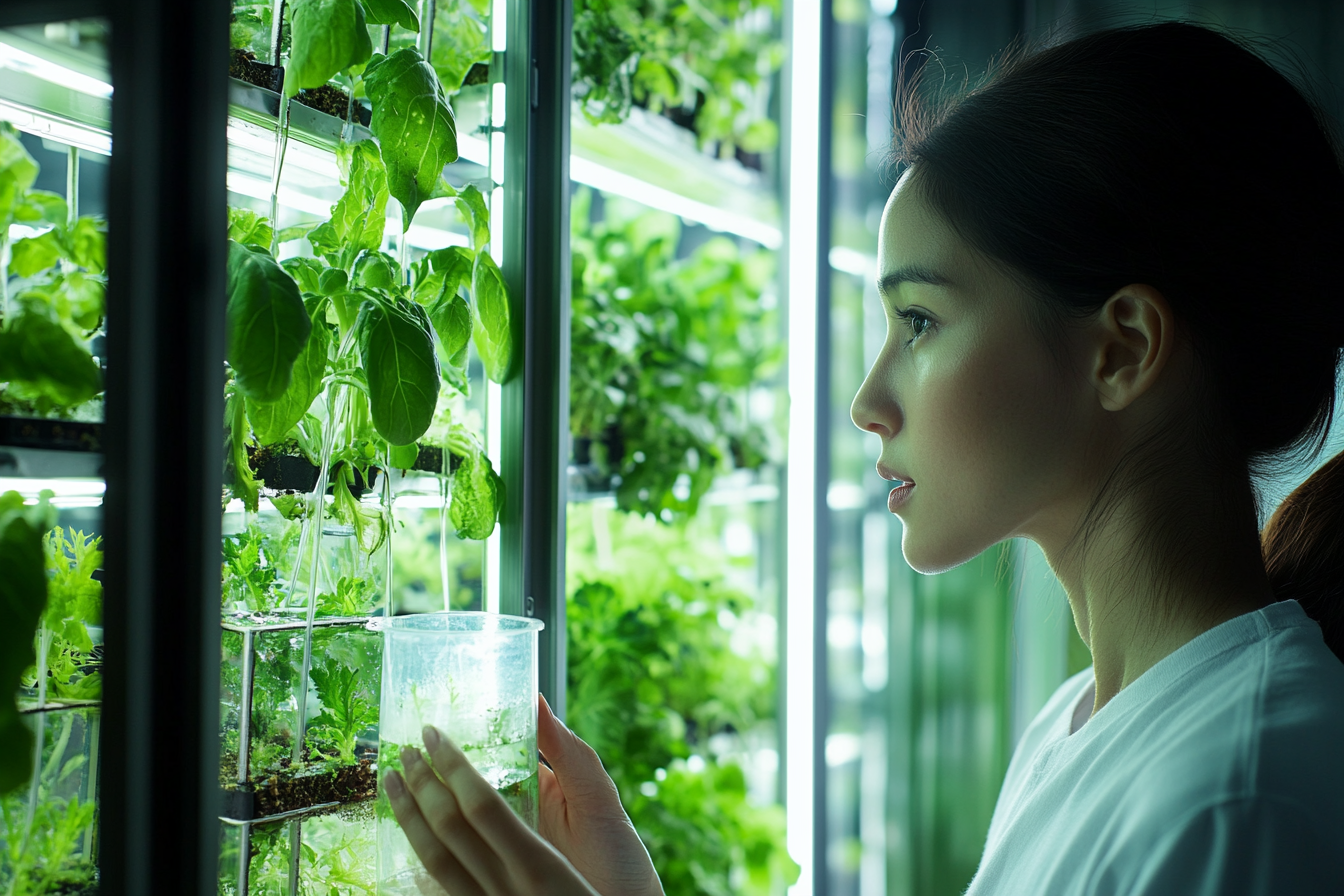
column 996, row 423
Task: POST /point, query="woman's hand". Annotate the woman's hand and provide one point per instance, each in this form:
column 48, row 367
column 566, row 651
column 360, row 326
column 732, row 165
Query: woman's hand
column 581, row 814
column 466, row 835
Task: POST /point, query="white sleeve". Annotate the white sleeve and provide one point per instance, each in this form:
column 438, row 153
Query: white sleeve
column 1246, row 847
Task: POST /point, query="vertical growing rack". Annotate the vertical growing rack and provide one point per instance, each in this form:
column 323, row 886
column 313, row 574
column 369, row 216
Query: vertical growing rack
column 312, row 533
column 52, row 251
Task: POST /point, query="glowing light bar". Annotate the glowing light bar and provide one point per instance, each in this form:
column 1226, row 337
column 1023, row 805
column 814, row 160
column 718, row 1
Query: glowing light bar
column 61, row 130
column 804, row 130
column 65, row 492
column 18, row 60
column 599, row 177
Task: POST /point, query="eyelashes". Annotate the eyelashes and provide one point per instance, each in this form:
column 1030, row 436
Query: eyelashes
column 915, row 321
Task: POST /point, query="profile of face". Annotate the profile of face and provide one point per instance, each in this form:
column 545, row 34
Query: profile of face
column 969, row 402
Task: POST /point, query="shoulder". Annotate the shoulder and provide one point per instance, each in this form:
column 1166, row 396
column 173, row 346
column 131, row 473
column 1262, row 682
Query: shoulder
column 1254, row 845
column 1261, row 722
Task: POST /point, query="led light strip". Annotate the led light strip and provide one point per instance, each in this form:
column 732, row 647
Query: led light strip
column 599, row 177
column 28, row 63
column 804, row 135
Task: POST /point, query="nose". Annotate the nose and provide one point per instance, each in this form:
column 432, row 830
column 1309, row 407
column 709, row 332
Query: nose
column 875, row 408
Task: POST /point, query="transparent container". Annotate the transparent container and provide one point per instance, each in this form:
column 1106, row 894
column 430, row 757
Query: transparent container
column 474, row 677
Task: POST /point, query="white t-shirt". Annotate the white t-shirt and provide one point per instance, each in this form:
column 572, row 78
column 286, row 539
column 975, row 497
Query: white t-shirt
column 1218, row 771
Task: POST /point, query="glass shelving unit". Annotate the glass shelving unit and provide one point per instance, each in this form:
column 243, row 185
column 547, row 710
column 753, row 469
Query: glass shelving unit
column 55, row 78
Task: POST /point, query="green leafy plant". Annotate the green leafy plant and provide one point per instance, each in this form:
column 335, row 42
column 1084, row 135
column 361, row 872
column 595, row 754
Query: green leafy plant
column 41, row 852
column 708, row 60
column 74, row 602
column 353, row 597
column 664, row 351
column 250, row 573
column 654, row 678
column 345, row 712
column 57, row 301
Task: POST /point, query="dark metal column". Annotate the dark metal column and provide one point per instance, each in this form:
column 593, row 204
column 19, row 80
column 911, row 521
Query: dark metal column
column 536, row 267
column 165, row 341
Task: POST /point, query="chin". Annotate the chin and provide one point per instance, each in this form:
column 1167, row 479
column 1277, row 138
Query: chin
column 932, row 556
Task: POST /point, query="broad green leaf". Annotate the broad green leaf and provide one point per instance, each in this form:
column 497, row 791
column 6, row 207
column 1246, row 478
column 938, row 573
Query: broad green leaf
column 87, row 243
column 413, row 124
column 250, row 229
column 296, row 231
column 328, row 36
column 35, row 254
column 81, row 299
column 18, row 171
column 359, row 217
column 272, row 420
column 378, row 271
column 459, row 43
column 477, row 493
column 451, row 316
column 23, row 596
column 43, row 356
column 332, row 281
column 40, row 205
column 307, row 272
column 266, row 324
column 403, row 457
column 391, row 12
column 492, row 332
column 397, row 347
column 471, row 204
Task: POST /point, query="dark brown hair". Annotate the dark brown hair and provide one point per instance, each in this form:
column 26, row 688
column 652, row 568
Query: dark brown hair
column 1175, row 156
column 1303, row 545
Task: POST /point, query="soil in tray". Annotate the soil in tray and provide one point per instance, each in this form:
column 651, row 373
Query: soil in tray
column 333, row 101
column 345, row 784
column 244, row 66
column 320, row 781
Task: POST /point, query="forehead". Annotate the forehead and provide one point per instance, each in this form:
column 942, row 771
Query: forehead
column 911, row 233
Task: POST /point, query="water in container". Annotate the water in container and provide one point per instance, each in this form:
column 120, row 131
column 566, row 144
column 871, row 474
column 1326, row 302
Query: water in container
column 474, row 677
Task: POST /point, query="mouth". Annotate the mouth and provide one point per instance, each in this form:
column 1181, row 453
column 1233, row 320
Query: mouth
column 894, row 476
column 899, row 495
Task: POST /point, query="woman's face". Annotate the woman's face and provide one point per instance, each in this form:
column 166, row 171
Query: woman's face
column 968, row 401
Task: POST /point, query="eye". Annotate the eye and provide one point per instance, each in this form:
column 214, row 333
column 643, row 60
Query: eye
column 918, row 322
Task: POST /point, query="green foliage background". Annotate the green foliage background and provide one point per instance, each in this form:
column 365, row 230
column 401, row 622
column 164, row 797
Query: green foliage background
column 710, row 59
column 663, row 673
column 664, row 350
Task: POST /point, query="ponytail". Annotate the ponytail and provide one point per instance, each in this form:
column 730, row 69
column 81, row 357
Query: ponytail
column 1303, row 547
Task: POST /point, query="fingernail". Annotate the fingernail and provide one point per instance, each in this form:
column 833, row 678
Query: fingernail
column 431, row 736
column 410, row 756
column 394, row 785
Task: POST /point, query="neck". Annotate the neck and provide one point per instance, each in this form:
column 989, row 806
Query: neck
column 1155, row 575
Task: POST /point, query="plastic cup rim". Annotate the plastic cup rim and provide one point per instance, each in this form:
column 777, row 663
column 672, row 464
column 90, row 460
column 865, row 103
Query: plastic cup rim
column 401, row 625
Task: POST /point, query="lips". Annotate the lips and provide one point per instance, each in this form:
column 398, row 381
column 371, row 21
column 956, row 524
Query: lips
column 889, row 474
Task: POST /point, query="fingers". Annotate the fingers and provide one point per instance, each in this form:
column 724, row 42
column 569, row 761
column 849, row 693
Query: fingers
column 447, row 818
column 480, row 805
column 438, row 860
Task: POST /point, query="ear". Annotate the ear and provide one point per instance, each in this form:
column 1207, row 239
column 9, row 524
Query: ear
column 1135, row 335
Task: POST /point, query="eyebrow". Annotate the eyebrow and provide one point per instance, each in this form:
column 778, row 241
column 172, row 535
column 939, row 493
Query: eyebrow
column 910, row 274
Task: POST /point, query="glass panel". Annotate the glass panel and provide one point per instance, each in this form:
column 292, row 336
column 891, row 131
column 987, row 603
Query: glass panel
column 356, row 484
column 54, row 146
column 674, row 554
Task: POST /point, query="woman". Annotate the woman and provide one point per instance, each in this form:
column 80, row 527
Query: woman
column 1115, row 289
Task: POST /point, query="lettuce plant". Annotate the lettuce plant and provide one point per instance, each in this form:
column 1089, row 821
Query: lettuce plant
column 56, row 302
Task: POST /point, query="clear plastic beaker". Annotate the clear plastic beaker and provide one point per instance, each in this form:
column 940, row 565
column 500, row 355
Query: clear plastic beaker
column 474, row 677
